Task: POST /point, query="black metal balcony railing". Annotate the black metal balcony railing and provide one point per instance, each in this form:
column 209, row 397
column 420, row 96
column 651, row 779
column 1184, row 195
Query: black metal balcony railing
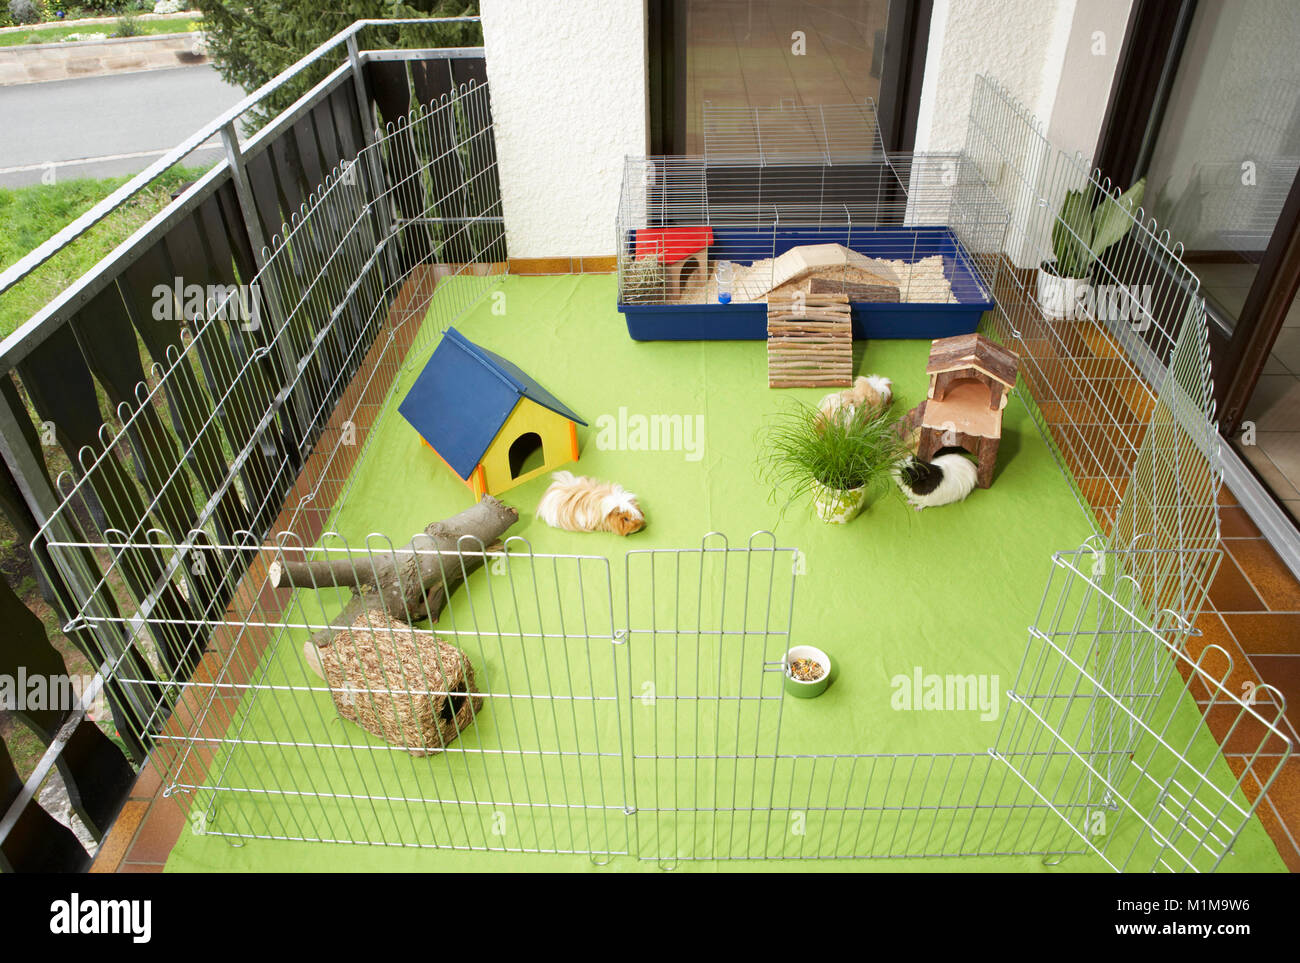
column 85, row 344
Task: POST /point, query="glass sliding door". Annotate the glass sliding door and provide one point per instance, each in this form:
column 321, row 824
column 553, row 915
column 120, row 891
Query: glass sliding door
column 771, row 53
column 1227, row 148
column 1221, row 154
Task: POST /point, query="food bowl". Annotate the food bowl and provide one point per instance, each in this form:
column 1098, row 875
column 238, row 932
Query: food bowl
column 799, row 688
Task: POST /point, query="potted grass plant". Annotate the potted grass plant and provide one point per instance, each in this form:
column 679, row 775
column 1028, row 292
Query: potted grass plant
column 835, row 460
column 1082, row 232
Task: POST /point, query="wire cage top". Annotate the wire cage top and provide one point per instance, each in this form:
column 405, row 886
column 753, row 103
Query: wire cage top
column 793, row 134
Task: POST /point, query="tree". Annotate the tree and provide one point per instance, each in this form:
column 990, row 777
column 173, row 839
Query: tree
column 250, row 41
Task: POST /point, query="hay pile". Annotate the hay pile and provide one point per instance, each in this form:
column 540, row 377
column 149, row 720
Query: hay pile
column 919, row 282
column 413, row 691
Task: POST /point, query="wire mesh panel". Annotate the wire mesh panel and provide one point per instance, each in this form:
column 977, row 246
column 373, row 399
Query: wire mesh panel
column 527, row 717
column 495, row 728
column 273, row 388
column 1105, row 726
column 707, row 630
column 443, row 194
column 1118, row 371
column 707, row 633
column 901, row 806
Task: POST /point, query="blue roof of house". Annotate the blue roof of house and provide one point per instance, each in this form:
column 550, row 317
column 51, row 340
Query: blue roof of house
column 464, row 395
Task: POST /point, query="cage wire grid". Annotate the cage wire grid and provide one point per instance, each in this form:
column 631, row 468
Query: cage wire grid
column 1098, row 716
column 906, row 212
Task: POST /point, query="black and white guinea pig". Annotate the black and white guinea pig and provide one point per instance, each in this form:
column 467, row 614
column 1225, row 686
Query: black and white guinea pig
column 941, row 481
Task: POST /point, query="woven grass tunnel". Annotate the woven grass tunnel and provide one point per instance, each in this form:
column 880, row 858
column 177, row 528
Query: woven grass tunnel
column 412, row 690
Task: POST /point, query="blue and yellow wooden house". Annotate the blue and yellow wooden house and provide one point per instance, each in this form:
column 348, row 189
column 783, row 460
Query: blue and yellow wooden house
column 492, row 424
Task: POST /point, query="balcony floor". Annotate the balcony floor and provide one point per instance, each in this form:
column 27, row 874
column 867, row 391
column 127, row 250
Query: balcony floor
column 989, row 556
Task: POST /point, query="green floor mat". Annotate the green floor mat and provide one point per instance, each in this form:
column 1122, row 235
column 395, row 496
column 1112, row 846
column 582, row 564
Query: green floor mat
column 894, row 596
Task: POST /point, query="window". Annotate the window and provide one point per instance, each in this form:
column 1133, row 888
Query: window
column 1206, row 106
column 1227, row 146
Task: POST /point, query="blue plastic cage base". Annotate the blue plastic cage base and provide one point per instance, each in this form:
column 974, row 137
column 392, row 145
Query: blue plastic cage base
column 748, row 321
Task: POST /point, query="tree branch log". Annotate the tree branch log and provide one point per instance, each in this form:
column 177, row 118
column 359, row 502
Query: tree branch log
column 411, row 583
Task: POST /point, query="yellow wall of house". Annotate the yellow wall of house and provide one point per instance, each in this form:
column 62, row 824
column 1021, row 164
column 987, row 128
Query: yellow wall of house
column 557, row 445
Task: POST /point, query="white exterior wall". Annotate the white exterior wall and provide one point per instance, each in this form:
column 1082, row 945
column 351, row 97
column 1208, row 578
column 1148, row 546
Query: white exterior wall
column 1058, row 57
column 568, row 88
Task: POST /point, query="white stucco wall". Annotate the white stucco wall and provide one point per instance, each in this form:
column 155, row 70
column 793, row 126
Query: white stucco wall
column 1058, row 58
column 1047, row 53
column 568, row 86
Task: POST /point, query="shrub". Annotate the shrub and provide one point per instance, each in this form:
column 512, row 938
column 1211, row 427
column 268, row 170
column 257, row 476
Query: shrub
column 128, row 26
column 251, row 43
column 169, row 6
column 23, row 12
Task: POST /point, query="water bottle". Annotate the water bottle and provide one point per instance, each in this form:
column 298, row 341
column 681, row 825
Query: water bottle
column 726, row 275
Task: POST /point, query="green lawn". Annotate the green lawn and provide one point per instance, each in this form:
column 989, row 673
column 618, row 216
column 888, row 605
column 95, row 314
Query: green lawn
column 102, row 30
column 32, row 214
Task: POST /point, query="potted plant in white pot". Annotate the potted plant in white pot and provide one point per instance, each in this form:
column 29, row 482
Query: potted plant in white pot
column 835, row 460
column 1082, row 232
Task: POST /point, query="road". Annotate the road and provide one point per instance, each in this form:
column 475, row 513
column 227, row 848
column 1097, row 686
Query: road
column 106, row 126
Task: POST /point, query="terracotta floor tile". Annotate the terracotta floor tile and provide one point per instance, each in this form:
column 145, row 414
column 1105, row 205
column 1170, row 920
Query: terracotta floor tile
column 1214, row 632
column 1247, row 733
column 1231, row 591
column 1283, row 673
column 1268, row 633
column 1235, row 523
column 147, row 782
column 1267, row 573
column 119, row 837
column 1262, row 770
column 158, row 834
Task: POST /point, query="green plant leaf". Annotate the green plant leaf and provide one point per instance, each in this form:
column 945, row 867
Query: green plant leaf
column 1072, row 235
column 1113, row 217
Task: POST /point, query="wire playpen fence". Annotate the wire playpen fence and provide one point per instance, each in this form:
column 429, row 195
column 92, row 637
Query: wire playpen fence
column 534, row 715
